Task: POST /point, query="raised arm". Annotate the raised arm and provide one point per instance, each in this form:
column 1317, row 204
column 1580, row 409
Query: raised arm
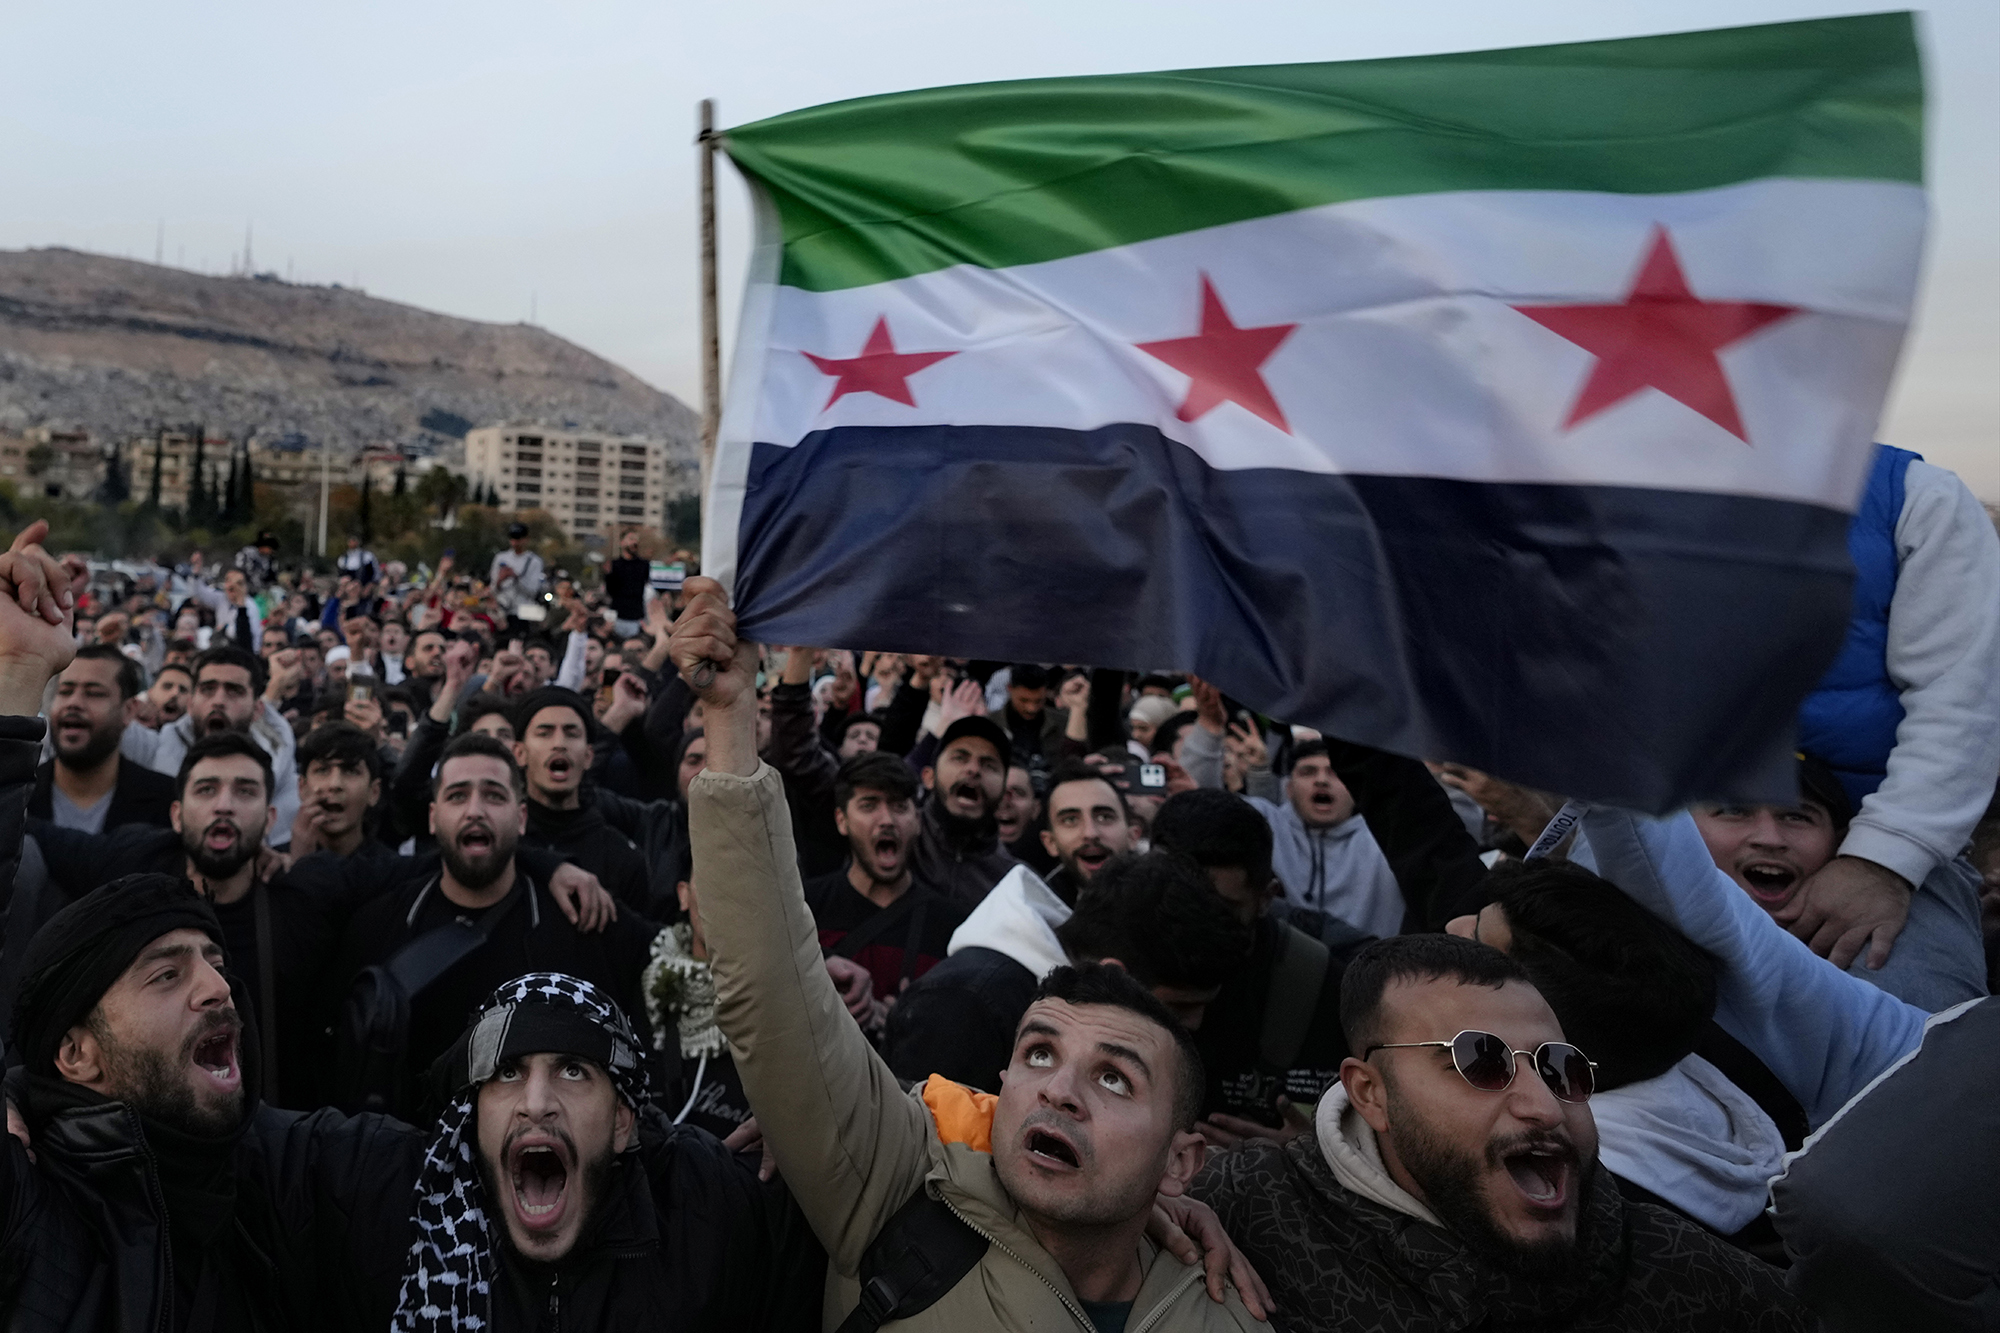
column 852, row 1146
column 1435, row 861
column 1824, row 1033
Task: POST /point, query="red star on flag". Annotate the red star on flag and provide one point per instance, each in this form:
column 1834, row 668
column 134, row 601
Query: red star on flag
column 880, row 369
column 1223, row 361
column 1661, row 336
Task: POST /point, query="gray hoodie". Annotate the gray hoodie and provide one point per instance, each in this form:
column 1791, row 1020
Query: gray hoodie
column 163, row 750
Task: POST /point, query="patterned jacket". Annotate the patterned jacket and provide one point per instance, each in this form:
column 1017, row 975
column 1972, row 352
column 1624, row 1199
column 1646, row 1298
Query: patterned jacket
column 1335, row 1260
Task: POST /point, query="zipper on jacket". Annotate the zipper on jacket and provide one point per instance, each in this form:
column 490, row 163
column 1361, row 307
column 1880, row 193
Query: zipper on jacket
column 1194, row 1274
column 1158, row 1313
column 159, row 1198
column 1002, row 1246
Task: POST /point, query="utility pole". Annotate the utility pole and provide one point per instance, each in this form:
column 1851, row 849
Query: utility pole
column 711, row 335
column 325, row 485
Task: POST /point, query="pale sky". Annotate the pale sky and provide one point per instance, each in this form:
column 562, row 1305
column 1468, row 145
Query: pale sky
column 496, row 158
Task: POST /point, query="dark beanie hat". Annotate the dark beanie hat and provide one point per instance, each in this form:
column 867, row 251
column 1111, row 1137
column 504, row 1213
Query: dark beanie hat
column 551, row 696
column 86, row 947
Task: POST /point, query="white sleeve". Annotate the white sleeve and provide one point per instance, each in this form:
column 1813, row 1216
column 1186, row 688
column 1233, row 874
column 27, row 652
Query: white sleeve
column 1824, row 1033
column 570, row 675
column 1201, row 755
column 211, row 598
column 1944, row 655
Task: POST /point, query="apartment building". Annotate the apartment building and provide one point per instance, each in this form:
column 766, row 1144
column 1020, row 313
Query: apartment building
column 593, row 484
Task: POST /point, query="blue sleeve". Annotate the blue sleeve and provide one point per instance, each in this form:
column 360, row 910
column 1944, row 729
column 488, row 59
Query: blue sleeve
column 1824, row 1033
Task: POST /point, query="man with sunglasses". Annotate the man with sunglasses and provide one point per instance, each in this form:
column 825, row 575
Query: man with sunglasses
column 1452, row 1179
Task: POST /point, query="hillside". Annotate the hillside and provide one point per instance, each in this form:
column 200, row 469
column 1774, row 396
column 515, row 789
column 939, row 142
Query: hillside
column 118, row 347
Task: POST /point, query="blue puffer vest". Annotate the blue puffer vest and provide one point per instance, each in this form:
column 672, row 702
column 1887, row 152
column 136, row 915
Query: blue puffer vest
column 1850, row 718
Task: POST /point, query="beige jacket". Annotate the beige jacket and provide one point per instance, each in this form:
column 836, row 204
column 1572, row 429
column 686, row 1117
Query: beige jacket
column 852, row 1146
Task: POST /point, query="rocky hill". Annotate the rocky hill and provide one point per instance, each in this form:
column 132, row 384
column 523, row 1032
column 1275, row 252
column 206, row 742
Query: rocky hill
column 118, row 348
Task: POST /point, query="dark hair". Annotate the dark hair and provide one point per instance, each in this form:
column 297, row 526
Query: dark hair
column 1170, row 731
column 218, row 745
column 1414, row 958
column 1219, row 829
column 550, row 696
column 838, row 731
column 481, row 705
column 165, row 667
column 340, row 743
column 1631, row 991
column 1075, row 770
column 1101, row 983
column 875, row 771
column 1817, row 783
column 129, row 680
column 479, row 743
column 228, row 654
column 428, row 629
column 1310, row 750
column 1028, row 676
column 1157, row 914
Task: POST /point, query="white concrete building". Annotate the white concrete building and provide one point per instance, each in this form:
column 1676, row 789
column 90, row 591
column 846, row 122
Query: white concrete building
column 594, row 484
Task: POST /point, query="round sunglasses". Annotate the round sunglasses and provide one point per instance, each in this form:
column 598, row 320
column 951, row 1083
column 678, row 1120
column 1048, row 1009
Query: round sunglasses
column 1487, row 1063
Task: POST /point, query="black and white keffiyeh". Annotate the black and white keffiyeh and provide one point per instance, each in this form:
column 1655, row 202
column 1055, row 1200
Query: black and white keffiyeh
column 446, row 1283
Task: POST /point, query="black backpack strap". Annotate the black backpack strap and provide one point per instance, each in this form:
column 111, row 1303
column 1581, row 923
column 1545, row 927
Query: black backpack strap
column 923, row 1252
column 1297, row 974
column 435, row 952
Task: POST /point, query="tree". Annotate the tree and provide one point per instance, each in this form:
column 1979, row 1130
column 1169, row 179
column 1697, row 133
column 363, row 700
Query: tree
column 227, row 507
column 444, row 490
column 247, row 488
column 198, row 510
column 402, row 482
column 363, row 518
column 114, row 491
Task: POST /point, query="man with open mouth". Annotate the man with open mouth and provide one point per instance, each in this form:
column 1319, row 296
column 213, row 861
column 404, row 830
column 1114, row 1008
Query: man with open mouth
column 958, row 848
column 553, row 732
column 555, row 1194
column 1774, row 852
column 876, row 910
column 1047, row 1188
column 1452, row 1175
column 86, row 785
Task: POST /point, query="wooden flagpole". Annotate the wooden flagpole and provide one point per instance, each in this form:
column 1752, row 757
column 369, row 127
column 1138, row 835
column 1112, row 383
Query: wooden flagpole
column 711, row 335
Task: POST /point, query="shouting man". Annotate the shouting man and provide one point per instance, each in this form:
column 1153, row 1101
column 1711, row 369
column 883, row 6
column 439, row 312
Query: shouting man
column 86, row 786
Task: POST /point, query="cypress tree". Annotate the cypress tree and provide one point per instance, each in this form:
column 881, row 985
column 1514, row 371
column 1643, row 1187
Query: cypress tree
column 402, row 482
column 246, row 487
column 198, row 510
column 365, row 518
column 228, row 506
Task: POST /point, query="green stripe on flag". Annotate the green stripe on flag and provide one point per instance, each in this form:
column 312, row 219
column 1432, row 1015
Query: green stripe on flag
column 1000, row 174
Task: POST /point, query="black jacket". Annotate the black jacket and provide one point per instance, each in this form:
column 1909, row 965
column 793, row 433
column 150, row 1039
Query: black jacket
column 962, row 864
column 959, row 1019
column 583, row 838
column 532, row 936
column 141, row 796
column 1336, row 1260
column 317, row 1239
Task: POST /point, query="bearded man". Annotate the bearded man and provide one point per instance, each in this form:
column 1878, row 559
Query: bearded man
column 86, row 786
column 557, row 1195
column 477, row 814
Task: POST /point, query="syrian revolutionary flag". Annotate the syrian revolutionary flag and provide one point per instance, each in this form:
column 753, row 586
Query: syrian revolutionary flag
column 1504, row 407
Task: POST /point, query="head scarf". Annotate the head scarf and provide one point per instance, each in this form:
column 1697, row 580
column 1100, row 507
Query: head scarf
column 86, row 947
column 446, row 1283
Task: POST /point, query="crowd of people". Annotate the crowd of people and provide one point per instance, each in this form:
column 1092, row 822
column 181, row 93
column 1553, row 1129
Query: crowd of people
column 459, row 952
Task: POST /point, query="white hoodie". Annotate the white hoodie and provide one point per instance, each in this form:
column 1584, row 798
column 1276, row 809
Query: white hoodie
column 1695, row 1139
column 1019, row 919
column 1348, row 1144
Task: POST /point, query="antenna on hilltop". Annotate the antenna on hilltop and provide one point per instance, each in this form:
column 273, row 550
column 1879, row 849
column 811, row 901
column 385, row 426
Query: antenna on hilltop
column 160, row 242
column 249, row 268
